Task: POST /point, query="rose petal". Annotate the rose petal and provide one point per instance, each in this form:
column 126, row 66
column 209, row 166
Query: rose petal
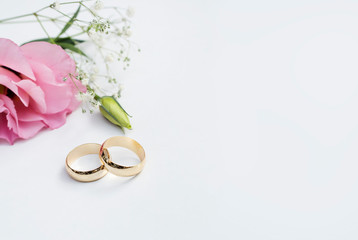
column 23, row 89
column 57, row 95
column 7, row 108
column 5, row 132
column 11, row 75
column 19, row 128
column 36, row 94
column 29, row 129
column 58, row 60
column 5, row 81
column 12, row 57
column 74, row 104
column 50, row 120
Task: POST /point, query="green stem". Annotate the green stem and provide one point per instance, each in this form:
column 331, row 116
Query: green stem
column 88, row 9
column 73, row 81
column 24, row 15
column 11, row 18
column 96, row 97
column 62, row 13
column 65, row 15
column 77, row 34
column 75, row 2
column 43, row 28
column 52, row 18
column 41, row 9
column 17, row 22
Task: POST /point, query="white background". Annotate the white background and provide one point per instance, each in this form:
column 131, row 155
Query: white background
column 247, row 110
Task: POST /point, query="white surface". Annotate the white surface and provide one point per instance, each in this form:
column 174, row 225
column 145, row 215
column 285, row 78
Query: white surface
column 248, row 114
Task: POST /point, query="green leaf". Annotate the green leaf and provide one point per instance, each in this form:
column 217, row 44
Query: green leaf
column 38, row 40
column 69, row 40
column 69, row 23
column 71, row 47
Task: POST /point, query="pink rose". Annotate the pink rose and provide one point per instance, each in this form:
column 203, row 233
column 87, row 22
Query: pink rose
column 33, row 93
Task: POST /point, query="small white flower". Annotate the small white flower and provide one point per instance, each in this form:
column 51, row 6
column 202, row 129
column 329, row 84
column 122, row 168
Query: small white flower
column 56, row 5
column 91, row 33
column 96, row 104
column 84, row 97
column 95, row 69
column 109, row 58
column 95, row 36
column 98, row 5
column 79, row 96
column 87, row 101
column 128, row 33
column 130, row 12
column 85, row 81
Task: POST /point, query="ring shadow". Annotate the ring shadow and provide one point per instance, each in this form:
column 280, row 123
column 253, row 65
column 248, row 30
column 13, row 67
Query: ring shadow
column 109, row 179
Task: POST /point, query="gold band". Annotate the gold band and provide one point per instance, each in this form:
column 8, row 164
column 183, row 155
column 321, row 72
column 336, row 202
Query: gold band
column 126, row 142
column 84, row 176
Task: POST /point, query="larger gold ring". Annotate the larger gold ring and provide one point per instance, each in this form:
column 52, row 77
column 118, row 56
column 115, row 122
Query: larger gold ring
column 85, row 176
column 126, row 142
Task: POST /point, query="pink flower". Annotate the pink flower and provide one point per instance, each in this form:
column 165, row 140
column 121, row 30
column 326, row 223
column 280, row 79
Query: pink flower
column 33, row 93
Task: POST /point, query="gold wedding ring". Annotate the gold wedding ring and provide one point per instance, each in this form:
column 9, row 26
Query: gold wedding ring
column 125, row 142
column 85, row 176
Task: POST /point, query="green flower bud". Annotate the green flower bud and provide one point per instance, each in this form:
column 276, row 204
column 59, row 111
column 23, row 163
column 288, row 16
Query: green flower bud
column 114, row 112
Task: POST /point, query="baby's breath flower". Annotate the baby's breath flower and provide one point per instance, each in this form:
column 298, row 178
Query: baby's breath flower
column 56, row 5
column 91, row 32
column 88, row 101
column 84, row 97
column 100, row 25
column 95, row 36
column 97, row 104
column 130, row 12
column 121, row 87
column 109, row 58
column 95, row 69
column 128, row 33
column 85, row 81
column 98, row 5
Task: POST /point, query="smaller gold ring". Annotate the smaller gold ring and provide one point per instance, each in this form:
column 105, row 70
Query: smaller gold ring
column 85, row 176
column 126, row 142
